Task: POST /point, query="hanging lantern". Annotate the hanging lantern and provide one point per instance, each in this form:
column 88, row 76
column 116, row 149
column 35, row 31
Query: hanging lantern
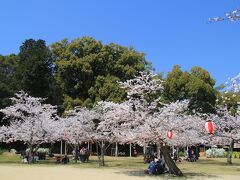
column 169, row 134
column 210, row 127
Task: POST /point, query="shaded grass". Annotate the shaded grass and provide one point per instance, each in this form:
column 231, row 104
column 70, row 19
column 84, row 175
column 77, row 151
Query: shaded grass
column 204, row 168
column 110, row 162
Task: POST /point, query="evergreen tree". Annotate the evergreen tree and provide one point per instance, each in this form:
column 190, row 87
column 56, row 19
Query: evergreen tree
column 87, row 70
column 196, row 85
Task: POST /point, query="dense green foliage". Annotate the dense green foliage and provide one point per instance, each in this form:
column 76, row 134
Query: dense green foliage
column 34, row 73
column 84, row 71
column 7, row 87
column 88, row 71
column 196, row 85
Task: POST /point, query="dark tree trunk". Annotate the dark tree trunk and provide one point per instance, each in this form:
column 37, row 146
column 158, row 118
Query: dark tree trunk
column 102, row 156
column 173, row 169
column 158, row 150
column 102, row 153
column 51, row 150
column 76, row 152
column 116, row 150
column 31, row 155
column 230, row 151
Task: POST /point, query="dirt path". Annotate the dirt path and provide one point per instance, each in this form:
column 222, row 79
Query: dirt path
column 16, row 172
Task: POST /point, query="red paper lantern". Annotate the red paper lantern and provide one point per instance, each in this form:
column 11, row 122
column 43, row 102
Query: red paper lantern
column 169, row 134
column 210, row 127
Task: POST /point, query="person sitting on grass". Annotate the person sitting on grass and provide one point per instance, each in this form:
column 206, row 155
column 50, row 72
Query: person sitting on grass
column 152, row 167
column 159, row 168
column 58, row 159
column 65, row 160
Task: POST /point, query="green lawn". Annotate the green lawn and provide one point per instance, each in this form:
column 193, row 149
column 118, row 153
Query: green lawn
column 111, row 162
column 204, row 168
column 210, row 167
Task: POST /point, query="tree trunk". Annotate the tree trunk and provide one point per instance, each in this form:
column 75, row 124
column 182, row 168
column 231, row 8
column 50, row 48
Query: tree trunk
column 51, row 149
column 102, row 153
column 102, row 163
column 90, row 149
column 144, row 149
column 61, row 148
column 65, row 147
column 158, row 150
column 76, row 154
column 173, row 169
column 230, row 151
column 102, row 157
column 116, row 150
column 130, row 150
column 177, row 152
column 97, row 149
column 31, row 155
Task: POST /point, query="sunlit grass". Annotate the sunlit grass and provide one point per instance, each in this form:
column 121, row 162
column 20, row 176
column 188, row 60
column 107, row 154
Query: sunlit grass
column 134, row 165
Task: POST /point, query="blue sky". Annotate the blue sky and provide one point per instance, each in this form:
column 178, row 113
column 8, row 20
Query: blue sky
column 168, row 31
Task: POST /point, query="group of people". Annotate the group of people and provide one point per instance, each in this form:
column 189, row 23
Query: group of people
column 64, row 160
column 83, row 154
column 26, row 158
column 192, row 154
column 157, row 166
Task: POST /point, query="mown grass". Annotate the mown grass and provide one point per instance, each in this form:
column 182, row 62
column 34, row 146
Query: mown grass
column 110, row 162
column 211, row 167
column 204, row 168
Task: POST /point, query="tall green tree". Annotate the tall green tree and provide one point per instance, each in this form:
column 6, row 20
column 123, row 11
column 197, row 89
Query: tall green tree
column 7, row 71
column 196, row 85
column 87, row 70
column 7, row 87
column 107, row 89
column 35, row 70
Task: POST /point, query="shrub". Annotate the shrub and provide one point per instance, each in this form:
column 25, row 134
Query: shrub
column 236, row 154
column 40, row 150
column 43, row 151
column 13, row 151
column 181, row 154
column 215, row 152
column 225, row 154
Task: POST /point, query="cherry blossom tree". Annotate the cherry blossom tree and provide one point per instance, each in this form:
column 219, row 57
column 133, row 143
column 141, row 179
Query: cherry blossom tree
column 31, row 122
column 109, row 126
column 227, row 129
column 151, row 119
column 232, row 16
column 77, row 127
column 121, row 122
column 228, row 123
column 140, row 90
column 143, row 90
column 187, row 130
column 233, row 84
column 143, row 119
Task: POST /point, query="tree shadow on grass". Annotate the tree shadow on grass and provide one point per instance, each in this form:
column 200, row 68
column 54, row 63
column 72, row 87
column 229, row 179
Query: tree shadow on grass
column 187, row 175
column 214, row 162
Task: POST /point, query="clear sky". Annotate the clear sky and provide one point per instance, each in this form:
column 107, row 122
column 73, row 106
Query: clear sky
column 168, row 31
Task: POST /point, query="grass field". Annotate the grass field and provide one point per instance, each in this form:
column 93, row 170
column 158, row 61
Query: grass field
column 116, row 168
